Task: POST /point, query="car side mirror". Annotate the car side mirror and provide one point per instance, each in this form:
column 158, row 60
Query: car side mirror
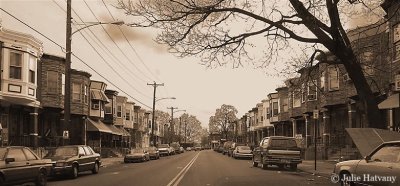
column 8, row 160
column 367, row 158
column 80, row 155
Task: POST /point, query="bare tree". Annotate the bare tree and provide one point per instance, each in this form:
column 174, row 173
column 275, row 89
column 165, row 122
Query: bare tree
column 222, row 31
column 223, row 119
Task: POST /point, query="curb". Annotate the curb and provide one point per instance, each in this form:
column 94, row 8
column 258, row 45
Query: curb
column 322, row 174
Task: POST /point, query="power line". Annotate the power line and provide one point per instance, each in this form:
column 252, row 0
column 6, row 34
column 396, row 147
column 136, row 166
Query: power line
column 74, row 56
column 105, row 59
column 123, row 53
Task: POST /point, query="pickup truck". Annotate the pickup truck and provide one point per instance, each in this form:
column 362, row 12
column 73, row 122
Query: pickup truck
column 277, row 150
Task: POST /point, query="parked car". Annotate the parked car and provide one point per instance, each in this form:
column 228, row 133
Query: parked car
column 181, row 149
column 176, row 147
column 70, row 160
column 153, row 153
column 137, row 155
column 233, row 147
column 226, row 147
column 242, row 152
column 20, row 165
column 172, row 151
column 384, row 162
column 188, row 148
column 277, row 150
column 164, row 149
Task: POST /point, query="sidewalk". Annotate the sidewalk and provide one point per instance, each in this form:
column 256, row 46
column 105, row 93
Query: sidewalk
column 324, row 168
column 105, row 162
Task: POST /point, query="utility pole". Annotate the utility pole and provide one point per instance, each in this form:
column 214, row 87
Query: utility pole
column 172, row 121
column 185, row 129
column 67, row 88
column 180, row 128
column 152, row 137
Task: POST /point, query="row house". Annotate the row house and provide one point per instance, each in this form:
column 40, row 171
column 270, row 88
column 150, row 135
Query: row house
column 19, row 103
column 141, row 126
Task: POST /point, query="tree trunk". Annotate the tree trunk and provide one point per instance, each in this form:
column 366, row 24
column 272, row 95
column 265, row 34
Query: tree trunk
column 363, row 89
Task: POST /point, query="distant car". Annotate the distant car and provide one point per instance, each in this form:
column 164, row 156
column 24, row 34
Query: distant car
column 153, row 153
column 176, row 147
column 233, row 147
column 242, row 152
column 226, row 146
column 164, row 149
column 70, row 160
column 188, row 148
column 197, row 148
column 172, row 151
column 137, row 155
column 384, row 161
column 20, row 165
column 181, row 149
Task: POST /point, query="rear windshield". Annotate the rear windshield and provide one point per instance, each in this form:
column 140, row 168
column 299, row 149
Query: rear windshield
column 285, row 143
column 63, row 151
column 243, row 147
column 163, row 146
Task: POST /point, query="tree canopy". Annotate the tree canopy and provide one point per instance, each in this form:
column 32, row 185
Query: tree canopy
column 223, row 120
column 226, row 31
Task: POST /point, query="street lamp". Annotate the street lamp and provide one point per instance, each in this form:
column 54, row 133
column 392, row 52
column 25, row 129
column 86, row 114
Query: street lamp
column 67, row 86
column 165, row 98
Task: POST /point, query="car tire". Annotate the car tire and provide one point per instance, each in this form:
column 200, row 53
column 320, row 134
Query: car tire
column 255, row 164
column 264, row 166
column 342, row 183
column 74, row 171
column 41, row 180
column 96, row 168
column 293, row 167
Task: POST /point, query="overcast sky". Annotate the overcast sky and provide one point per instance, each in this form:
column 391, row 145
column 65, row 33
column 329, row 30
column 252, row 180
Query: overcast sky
column 198, row 90
column 132, row 59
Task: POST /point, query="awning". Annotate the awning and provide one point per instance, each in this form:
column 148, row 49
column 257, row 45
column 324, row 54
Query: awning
column 124, row 132
column 390, row 102
column 97, row 126
column 115, row 130
column 98, row 95
column 367, row 139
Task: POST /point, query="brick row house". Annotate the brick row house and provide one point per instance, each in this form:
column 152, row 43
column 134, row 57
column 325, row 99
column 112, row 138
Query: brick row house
column 32, row 103
column 327, row 88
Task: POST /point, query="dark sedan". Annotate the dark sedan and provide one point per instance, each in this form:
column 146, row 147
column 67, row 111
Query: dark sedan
column 70, row 160
column 137, row 155
column 20, row 165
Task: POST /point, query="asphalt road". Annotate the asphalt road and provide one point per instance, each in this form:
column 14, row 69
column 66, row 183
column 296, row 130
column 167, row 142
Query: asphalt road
column 204, row 168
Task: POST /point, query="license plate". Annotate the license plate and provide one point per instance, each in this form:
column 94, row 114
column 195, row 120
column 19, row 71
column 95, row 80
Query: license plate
column 285, row 161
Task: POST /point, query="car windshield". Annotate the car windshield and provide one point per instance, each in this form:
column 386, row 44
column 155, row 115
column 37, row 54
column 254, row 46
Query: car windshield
column 286, row 143
column 137, row 151
column 244, row 148
column 2, row 153
column 64, row 151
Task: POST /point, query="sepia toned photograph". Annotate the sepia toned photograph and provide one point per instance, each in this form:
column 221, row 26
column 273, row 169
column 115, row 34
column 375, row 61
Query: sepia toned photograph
column 200, row 92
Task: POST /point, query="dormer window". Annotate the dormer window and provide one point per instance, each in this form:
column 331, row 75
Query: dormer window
column 15, row 65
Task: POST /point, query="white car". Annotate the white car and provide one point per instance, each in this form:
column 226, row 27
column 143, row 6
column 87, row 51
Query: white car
column 188, row 148
column 242, row 152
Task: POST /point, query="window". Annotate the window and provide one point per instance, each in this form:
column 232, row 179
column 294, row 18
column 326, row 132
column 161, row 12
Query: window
column 262, row 118
column 128, row 114
column 396, row 41
column 95, row 105
column 312, row 91
column 119, row 111
column 15, row 65
column 285, row 104
column 387, row 154
column 81, row 151
column 275, row 108
column 108, row 109
column 268, row 113
column 85, row 94
column 52, row 82
column 87, row 151
column 322, row 79
column 333, row 81
column 29, row 154
column 63, row 84
column 304, row 92
column 32, row 69
column 76, row 92
column 17, row 154
column 296, row 99
column 366, row 59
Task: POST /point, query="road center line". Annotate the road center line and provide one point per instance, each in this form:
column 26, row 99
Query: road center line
column 183, row 171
